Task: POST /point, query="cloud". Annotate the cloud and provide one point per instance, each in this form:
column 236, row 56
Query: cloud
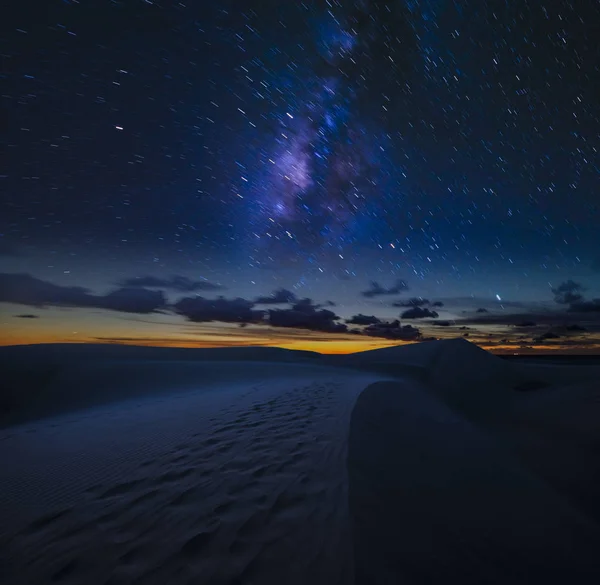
column 582, row 306
column 308, row 304
column 27, row 316
column 24, row 289
column 419, row 313
column 280, row 296
column 571, row 293
column 470, row 302
column 306, row 315
column 414, row 302
column 202, row 310
column 417, row 302
column 392, row 330
column 592, row 306
column 376, row 290
column 132, row 300
column 178, row 283
column 361, row 319
column 568, row 292
column 482, row 310
column 441, row 323
column 549, row 335
column 533, row 319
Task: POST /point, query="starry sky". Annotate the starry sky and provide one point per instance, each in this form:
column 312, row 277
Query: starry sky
column 327, row 175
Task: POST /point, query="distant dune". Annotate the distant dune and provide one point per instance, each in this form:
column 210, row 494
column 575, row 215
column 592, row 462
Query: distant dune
column 426, row 463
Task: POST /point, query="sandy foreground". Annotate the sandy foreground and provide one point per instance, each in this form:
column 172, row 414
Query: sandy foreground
column 428, row 463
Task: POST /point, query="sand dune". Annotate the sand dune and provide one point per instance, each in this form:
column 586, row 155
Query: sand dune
column 128, row 465
column 435, row 500
column 237, row 483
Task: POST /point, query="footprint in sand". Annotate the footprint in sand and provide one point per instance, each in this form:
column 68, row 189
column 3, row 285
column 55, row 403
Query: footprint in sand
column 198, row 543
column 174, row 475
column 65, row 571
column 121, row 488
column 186, row 497
column 47, row 520
column 144, row 498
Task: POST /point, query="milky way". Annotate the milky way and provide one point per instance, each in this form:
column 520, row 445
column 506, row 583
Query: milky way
column 330, row 166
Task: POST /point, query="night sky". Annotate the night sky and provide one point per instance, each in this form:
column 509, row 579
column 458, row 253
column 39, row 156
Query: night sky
column 319, row 175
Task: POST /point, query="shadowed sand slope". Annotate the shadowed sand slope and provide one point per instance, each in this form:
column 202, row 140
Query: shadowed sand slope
column 39, row 381
column 434, row 500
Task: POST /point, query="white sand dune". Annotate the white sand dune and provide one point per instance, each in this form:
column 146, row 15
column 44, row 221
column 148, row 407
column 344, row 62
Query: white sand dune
column 242, row 481
column 130, row 465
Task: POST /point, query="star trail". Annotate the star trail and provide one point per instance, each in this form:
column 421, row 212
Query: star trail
column 169, row 166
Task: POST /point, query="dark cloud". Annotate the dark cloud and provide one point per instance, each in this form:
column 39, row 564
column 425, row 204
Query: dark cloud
column 361, row 319
column 25, row 289
column 306, row 305
column 482, row 310
column 592, row 306
column 526, row 324
column 549, row 335
column 392, row 330
column 441, row 323
column 376, row 290
column 201, row 310
column 281, row 296
column 568, row 292
column 414, row 302
column 27, row 316
column 470, row 302
column 419, row 313
column 178, row 283
column 571, row 293
column 513, row 319
column 561, row 331
column 133, row 300
column 437, row 304
column 306, row 315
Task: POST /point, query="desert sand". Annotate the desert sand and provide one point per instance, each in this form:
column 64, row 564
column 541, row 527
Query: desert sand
column 430, row 463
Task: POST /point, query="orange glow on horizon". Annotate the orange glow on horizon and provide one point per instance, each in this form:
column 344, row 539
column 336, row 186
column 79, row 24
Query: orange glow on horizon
column 78, row 326
column 333, row 346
